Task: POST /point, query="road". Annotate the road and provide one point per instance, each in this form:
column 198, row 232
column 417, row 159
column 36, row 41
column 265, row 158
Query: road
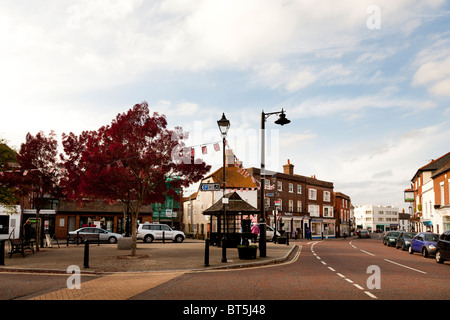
column 338, row 269
column 331, row 270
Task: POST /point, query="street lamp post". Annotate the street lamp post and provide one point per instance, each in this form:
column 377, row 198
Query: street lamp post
column 224, row 125
column 281, row 121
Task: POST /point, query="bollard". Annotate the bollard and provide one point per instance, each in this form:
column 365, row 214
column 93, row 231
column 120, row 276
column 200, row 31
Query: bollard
column 164, row 236
column 2, row 253
column 287, row 239
column 86, row 254
column 207, row 241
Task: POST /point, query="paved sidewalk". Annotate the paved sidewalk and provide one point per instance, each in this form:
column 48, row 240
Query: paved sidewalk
column 151, row 257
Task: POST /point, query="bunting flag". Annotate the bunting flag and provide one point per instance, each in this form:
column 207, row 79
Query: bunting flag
column 192, row 152
column 216, row 147
column 25, row 172
column 204, row 150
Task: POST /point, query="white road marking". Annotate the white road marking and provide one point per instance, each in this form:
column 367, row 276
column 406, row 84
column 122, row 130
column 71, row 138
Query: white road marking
column 367, row 252
column 370, row 295
column 358, row 286
column 402, row 265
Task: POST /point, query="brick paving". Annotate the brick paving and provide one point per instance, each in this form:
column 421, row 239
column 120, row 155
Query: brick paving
column 112, row 287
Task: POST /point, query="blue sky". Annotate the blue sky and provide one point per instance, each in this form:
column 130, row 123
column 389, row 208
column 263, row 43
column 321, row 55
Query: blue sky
column 369, row 103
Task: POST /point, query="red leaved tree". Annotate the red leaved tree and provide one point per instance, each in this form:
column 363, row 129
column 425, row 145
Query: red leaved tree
column 39, row 172
column 129, row 160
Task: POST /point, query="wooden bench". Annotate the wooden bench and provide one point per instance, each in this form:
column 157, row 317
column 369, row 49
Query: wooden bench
column 19, row 245
column 81, row 238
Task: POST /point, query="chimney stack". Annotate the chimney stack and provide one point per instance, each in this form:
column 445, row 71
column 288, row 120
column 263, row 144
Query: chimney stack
column 288, row 168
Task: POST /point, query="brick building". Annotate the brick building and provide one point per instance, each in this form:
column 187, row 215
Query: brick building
column 298, row 202
column 431, row 196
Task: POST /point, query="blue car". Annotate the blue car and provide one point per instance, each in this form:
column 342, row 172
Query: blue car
column 425, row 243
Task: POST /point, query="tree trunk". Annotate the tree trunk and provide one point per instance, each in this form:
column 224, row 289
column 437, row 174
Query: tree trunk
column 38, row 229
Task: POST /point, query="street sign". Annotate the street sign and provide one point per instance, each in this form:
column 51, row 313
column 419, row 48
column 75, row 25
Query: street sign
column 277, row 203
column 210, row 187
column 270, row 194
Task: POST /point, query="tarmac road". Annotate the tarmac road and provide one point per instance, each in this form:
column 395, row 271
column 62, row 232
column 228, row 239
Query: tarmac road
column 324, row 270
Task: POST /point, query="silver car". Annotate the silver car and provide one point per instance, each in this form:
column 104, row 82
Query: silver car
column 104, row 235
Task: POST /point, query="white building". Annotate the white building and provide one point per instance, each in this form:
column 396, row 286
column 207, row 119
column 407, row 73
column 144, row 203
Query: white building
column 10, row 222
column 375, row 218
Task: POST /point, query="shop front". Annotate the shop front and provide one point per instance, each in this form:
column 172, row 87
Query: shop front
column 323, row 228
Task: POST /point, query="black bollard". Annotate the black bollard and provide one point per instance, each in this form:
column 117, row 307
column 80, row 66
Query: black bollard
column 207, row 252
column 164, row 237
column 86, row 253
column 2, row 253
column 287, row 239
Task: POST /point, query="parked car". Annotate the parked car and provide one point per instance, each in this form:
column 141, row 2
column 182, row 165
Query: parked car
column 404, row 240
column 155, row 231
column 363, row 234
column 424, row 242
column 443, row 247
column 104, row 235
column 390, row 239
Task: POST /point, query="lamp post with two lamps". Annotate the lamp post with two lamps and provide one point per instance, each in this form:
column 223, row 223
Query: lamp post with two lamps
column 281, row 121
column 224, row 125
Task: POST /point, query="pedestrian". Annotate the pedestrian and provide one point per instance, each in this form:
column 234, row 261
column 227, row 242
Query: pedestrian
column 308, row 234
column 27, row 230
column 255, row 232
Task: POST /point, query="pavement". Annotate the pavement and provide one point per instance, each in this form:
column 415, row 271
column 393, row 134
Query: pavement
column 150, row 257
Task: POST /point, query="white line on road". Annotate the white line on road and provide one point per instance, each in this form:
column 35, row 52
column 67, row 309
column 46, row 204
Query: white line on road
column 331, row 269
column 340, row 275
column 358, row 286
column 346, row 279
column 367, row 252
column 370, row 295
column 401, row 265
column 323, row 262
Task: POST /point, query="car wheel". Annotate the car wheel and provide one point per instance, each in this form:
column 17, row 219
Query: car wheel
column 439, row 257
column 112, row 240
column 403, row 247
column 148, row 238
column 178, row 239
column 410, row 250
column 425, row 252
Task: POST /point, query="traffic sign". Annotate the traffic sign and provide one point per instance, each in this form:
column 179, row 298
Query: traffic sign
column 269, row 194
column 210, row 187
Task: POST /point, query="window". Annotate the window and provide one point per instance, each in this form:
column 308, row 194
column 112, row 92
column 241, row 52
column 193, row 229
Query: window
column 299, row 188
column 328, row 211
column 326, row 196
column 442, row 193
column 299, row 206
column 312, row 194
column 314, row 210
column 280, row 186
column 291, row 205
column 291, row 188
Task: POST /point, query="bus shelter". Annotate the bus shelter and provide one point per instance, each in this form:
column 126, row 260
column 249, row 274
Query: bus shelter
column 231, row 217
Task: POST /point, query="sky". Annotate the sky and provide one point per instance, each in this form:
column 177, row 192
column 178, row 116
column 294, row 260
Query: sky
column 366, row 84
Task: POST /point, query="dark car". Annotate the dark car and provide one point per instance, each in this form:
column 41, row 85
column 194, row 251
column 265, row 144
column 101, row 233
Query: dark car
column 424, row 242
column 404, row 240
column 391, row 238
column 443, row 247
column 363, row 234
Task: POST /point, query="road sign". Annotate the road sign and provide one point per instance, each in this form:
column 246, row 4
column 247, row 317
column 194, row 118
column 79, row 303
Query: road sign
column 269, row 194
column 210, row 187
column 277, row 203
